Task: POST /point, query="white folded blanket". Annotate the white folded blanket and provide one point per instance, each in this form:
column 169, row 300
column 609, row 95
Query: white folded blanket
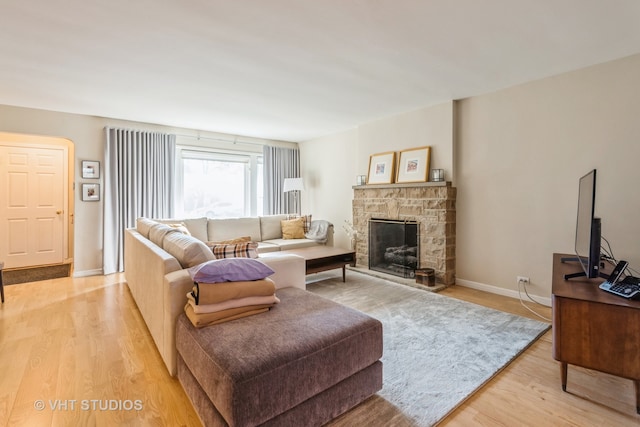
column 232, row 303
column 318, row 231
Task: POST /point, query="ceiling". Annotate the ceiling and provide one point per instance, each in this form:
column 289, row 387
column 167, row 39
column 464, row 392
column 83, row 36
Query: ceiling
column 292, row 70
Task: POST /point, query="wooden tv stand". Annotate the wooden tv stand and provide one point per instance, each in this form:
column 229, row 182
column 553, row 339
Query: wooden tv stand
column 593, row 328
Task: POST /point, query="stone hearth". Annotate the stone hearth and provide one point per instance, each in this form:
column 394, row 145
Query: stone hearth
column 431, row 204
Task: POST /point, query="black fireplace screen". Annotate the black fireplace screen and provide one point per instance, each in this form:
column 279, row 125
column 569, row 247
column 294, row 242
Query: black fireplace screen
column 394, row 247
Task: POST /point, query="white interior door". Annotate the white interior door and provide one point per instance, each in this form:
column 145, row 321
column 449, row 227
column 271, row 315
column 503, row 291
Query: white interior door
column 31, row 206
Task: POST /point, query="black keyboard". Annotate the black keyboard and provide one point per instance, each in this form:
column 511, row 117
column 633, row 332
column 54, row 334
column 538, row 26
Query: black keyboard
column 628, row 288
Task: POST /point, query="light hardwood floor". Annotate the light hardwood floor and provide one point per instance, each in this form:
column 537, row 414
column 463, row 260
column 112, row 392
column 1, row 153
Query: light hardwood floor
column 80, row 348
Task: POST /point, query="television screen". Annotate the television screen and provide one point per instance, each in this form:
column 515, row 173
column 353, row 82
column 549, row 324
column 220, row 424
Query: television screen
column 587, row 244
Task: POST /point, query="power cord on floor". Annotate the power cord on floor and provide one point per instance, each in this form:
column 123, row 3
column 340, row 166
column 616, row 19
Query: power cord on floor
column 524, row 286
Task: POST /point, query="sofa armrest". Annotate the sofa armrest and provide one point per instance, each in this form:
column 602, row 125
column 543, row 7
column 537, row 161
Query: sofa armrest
column 145, row 268
column 144, row 265
column 175, row 288
column 290, row 269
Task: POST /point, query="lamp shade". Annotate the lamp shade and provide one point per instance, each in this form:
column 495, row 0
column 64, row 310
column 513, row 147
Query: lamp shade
column 292, row 184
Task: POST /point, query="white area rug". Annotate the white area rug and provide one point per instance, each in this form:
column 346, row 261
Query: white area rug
column 437, row 350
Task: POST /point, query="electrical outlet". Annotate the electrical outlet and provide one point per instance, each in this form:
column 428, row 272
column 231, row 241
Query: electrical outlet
column 522, row 279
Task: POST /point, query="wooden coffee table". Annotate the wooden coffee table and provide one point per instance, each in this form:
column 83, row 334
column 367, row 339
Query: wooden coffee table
column 323, row 258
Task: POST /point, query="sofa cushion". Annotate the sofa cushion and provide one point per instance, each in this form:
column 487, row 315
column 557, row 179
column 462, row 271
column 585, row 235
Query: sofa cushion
column 181, row 227
column 242, row 239
column 267, row 247
column 270, row 226
column 158, row 231
column 197, row 226
column 143, row 225
column 230, row 270
column 232, row 228
column 188, row 250
column 286, row 244
column 236, row 250
column 292, row 228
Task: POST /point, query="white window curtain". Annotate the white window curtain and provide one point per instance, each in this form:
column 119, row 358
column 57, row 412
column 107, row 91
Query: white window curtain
column 280, row 163
column 139, row 182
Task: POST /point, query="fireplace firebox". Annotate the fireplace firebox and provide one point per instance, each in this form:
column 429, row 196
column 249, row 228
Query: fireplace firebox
column 394, row 247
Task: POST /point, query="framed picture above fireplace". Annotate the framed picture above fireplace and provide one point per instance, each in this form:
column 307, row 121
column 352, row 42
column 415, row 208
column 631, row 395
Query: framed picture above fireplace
column 413, row 165
column 382, row 168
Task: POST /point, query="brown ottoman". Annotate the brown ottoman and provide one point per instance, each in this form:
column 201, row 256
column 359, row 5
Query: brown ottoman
column 304, row 362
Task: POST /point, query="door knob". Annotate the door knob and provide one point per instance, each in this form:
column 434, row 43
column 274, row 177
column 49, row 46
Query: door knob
column 58, row 212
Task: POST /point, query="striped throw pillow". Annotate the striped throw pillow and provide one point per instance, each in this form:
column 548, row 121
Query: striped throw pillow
column 237, row 250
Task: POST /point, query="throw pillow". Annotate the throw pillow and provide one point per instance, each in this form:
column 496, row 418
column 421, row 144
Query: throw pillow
column 143, row 225
column 292, row 228
column 231, row 241
column 306, row 218
column 237, row 250
column 181, row 228
column 188, row 250
column 158, row 231
column 230, row 270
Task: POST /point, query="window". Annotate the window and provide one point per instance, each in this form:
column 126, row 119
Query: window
column 218, row 184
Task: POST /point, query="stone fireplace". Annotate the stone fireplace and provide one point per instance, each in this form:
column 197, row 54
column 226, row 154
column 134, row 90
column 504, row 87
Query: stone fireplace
column 432, row 205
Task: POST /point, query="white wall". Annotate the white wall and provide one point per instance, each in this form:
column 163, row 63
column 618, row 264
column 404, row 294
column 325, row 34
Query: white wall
column 516, row 161
column 519, row 155
column 432, row 126
column 331, row 164
column 87, row 135
column 329, row 172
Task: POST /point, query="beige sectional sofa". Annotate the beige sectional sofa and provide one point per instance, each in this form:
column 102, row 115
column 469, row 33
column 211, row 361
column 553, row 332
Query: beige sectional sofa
column 156, row 258
column 304, row 362
column 266, row 230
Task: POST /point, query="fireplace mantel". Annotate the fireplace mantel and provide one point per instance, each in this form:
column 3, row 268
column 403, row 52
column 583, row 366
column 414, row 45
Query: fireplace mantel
column 404, row 185
column 431, row 204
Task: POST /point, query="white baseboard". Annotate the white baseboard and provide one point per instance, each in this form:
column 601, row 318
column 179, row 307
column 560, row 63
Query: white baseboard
column 513, row 293
column 87, row 273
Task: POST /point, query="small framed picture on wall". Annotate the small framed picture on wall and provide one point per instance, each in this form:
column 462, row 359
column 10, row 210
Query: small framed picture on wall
column 90, row 169
column 90, row 192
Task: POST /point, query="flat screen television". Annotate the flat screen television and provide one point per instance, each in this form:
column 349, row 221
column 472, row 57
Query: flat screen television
column 588, row 229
